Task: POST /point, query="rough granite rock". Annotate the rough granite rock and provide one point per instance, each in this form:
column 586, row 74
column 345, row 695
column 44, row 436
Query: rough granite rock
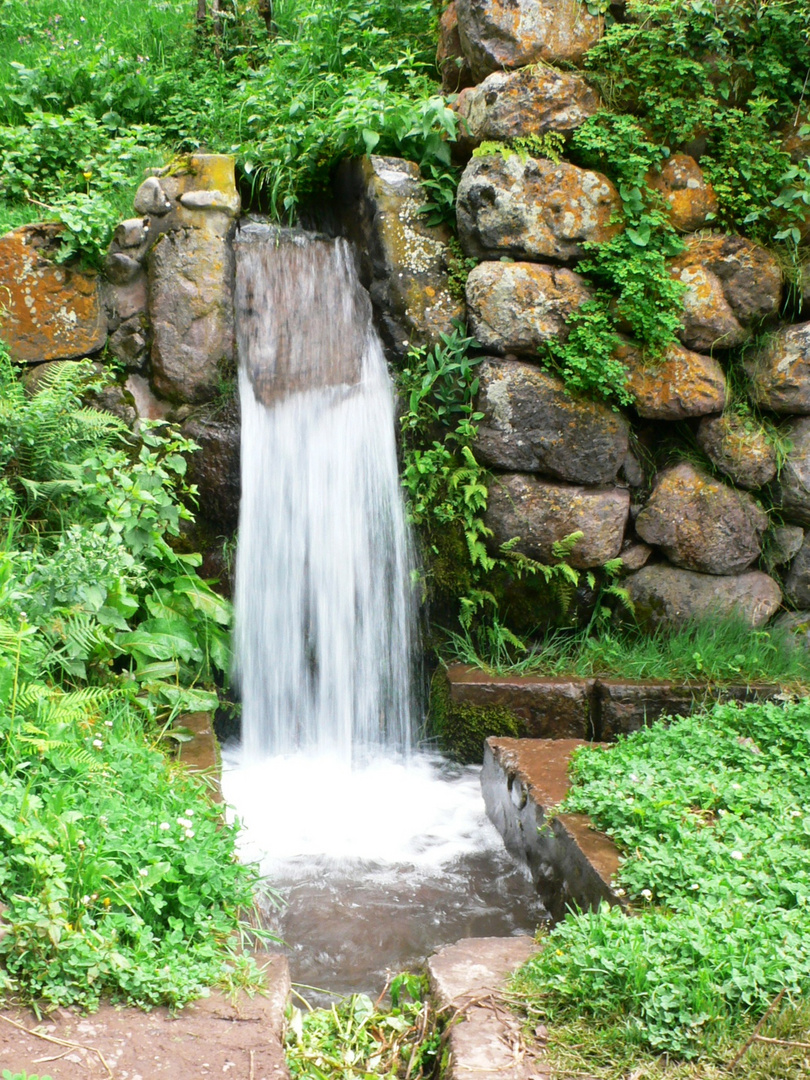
column 739, row 448
column 792, row 488
column 665, row 595
column 515, row 307
column 733, row 286
column 129, row 343
column 531, row 101
column 700, row 523
column 50, row 311
column 402, row 258
column 690, row 198
column 531, row 424
column 499, row 34
column 682, row 384
column 797, row 579
column 450, row 59
column 784, row 543
column 533, row 208
column 780, row 371
column 541, row 512
column 214, row 468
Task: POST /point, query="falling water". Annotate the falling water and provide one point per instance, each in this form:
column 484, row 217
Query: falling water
column 323, row 585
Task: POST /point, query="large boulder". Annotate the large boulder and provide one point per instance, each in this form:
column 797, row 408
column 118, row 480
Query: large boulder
column 797, row 580
column 532, row 208
column 531, row 424
column 541, row 513
column 739, row 448
column 499, row 34
column 190, row 270
column 532, row 101
column 690, row 200
column 667, row 596
column 450, row 60
column 700, row 523
column 682, row 384
column 402, row 258
column 792, row 488
column 50, row 311
column 733, row 285
column 515, row 307
column 780, row 371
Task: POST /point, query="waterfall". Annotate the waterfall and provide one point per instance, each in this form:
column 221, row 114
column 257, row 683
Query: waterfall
column 324, row 609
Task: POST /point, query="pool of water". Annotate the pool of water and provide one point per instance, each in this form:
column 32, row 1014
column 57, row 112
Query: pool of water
column 379, row 865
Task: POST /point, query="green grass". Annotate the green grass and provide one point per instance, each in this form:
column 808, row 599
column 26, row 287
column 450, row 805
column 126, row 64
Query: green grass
column 711, row 814
column 715, row 651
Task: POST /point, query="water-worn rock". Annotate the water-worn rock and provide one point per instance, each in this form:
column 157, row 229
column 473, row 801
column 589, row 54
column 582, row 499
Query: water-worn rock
column 515, row 307
column 700, row 523
column 665, row 595
column 797, row 579
column 512, row 104
column 682, row 384
column 450, row 58
column 691, row 200
column 792, row 488
column 150, row 199
column 533, row 208
column 635, row 555
column 402, row 258
column 739, row 448
column 780, row 371
column 531, row 424
column 499, row 34
column 50, row 311
column 541, row 513
column 732, row 284
column 129, row 234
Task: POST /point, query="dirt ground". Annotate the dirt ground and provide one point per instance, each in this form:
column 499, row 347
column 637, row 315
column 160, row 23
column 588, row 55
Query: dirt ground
column 211, row 1037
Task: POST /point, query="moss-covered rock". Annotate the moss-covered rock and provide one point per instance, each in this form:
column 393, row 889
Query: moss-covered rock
column 461, row 729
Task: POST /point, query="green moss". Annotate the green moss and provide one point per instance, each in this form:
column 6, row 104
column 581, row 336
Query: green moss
column 461, row 728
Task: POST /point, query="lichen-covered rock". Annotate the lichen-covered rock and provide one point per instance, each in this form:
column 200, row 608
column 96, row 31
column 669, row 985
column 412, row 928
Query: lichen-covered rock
column 691, row 200
column 700, row 523
column 792, row 488
column 531, row 424
column 780, row 371
column 499, row 34
column 532, row 101
column 450, row 59
column 403, row 259
column 191, row 313
column 667, row 596
column 541, row 513
column 733, row 285
column 739, row 448
column 50, row 311
column 784, row 542
column 682, row 384
column 515, row 307
column 635, row 555
column 531, row 208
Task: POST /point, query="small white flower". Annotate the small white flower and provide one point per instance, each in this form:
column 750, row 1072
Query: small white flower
column 143, row 872
column 647, row 894
column 695, row 886
column 164, row 826
column 80, row 844
column 619, row 892
column 633, row 778
column 108, row 723
column 184, row 823
column 85, row 900
column 189, row 813
column 737, row 787
column 189, row 833
column 82, row 18
column 736, row 855
column 99, row 745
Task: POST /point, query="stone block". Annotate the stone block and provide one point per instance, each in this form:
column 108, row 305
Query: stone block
column 682, row 384
column 664, row 595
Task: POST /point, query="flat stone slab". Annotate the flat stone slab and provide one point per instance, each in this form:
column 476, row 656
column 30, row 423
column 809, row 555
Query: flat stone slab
column 572, row 864
column 549, row 708
column 211, row 1037
column 201, row 753
column 485, row 1039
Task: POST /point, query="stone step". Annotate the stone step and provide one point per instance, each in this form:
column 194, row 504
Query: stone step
column 572, row 864
column 485, row 1039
